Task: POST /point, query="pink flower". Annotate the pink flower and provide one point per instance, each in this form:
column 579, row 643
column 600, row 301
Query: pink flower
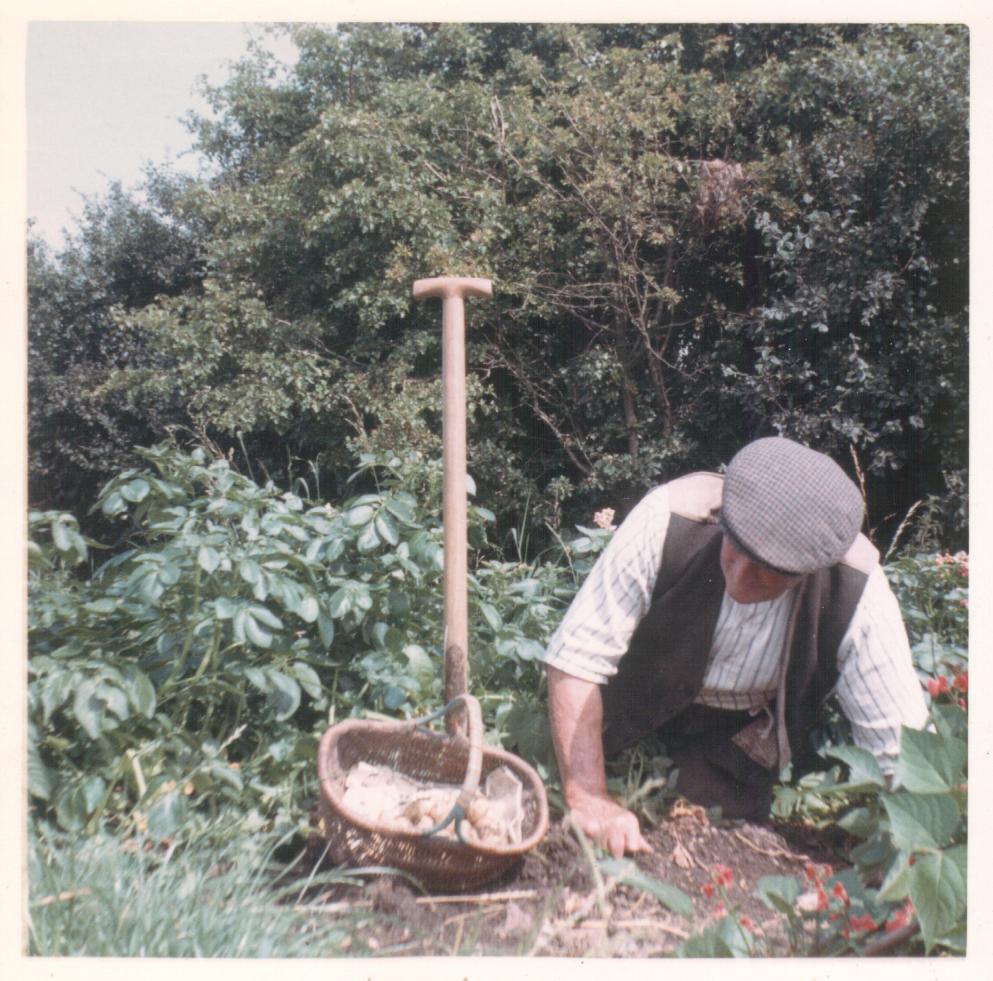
column 605, row 519
column 937, row 686
column 961, row 681
column 708, row 890
column 863, row 923
column 747, row 923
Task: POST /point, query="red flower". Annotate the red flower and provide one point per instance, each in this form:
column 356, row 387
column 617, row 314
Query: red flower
column 961, row 681
column 822, row 899
column 900, row 918
column 937, row 686
column 811, row 871
column 840, row 892
column 719, row 909
column 723, row 876
column 862, row 924
column 746, row 922
column 826, row 871
column 708, row 890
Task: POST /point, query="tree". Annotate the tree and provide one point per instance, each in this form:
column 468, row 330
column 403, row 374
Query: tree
column 698, row 235
column 123, row 255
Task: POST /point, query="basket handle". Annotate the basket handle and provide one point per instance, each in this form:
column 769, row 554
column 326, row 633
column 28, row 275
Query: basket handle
column 474, row 767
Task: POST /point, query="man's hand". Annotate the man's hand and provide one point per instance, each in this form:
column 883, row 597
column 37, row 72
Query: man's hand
column 576, row 714
column 609, row 825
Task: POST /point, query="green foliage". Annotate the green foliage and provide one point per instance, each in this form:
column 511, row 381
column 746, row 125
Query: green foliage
column 911, row 840
column 123, row 255
column 201, row 664
column 698, row 234
column 103, row 896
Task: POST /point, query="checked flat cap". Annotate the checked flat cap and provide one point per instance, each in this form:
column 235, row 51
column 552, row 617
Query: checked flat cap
column 791, row 508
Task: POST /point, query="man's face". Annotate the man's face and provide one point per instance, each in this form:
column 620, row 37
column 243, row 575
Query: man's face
column 749, row 582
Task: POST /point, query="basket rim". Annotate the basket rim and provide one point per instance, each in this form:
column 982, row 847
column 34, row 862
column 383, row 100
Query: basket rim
column 333, row 798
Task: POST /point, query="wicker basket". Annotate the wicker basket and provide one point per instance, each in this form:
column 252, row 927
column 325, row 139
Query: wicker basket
column 428, row 757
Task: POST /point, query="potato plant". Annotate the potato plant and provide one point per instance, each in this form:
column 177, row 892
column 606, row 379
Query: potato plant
column 201, row 663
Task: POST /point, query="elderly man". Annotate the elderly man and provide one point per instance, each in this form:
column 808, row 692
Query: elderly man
column 721, row 615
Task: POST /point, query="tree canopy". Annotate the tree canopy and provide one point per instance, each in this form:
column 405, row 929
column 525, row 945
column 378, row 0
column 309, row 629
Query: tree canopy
column 697, row 234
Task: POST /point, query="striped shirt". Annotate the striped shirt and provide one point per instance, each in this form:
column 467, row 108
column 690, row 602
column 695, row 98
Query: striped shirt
column 877, row 687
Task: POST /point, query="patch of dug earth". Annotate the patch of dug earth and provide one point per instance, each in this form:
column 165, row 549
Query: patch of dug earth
column 551, row 905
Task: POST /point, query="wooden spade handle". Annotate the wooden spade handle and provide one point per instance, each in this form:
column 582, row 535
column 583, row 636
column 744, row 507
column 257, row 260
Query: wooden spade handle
column 452, row 290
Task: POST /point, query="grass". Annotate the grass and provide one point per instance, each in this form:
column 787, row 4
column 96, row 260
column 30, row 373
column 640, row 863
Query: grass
column 102, row 895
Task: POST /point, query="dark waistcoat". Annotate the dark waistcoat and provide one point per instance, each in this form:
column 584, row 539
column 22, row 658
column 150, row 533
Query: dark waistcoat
column 663, row 669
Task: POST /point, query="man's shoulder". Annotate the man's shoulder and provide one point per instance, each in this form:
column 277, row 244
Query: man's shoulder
column 863, row 556
column 696, row 496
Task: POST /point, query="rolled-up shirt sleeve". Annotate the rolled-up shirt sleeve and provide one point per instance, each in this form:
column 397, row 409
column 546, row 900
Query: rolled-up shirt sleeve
column 597, row 628
column 878, row 689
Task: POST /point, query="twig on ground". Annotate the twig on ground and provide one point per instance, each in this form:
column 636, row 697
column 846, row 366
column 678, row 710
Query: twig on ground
column 773, row 853
column 488, row 897
column 630, row 924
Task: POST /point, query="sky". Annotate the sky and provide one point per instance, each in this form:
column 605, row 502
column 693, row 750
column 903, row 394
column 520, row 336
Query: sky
column 103, row 99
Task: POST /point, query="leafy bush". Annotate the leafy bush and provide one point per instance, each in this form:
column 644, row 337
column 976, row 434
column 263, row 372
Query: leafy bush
column 909, row 840
column 201, row 664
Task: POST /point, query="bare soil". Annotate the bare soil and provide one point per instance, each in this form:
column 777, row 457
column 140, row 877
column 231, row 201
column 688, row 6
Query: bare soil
column 550, row 904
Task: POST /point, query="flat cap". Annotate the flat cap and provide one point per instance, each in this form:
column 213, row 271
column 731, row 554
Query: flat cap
column 791, row 508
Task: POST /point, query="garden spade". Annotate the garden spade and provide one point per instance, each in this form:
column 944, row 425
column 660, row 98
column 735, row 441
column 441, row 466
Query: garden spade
column 453, row 290
column 512, row 802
